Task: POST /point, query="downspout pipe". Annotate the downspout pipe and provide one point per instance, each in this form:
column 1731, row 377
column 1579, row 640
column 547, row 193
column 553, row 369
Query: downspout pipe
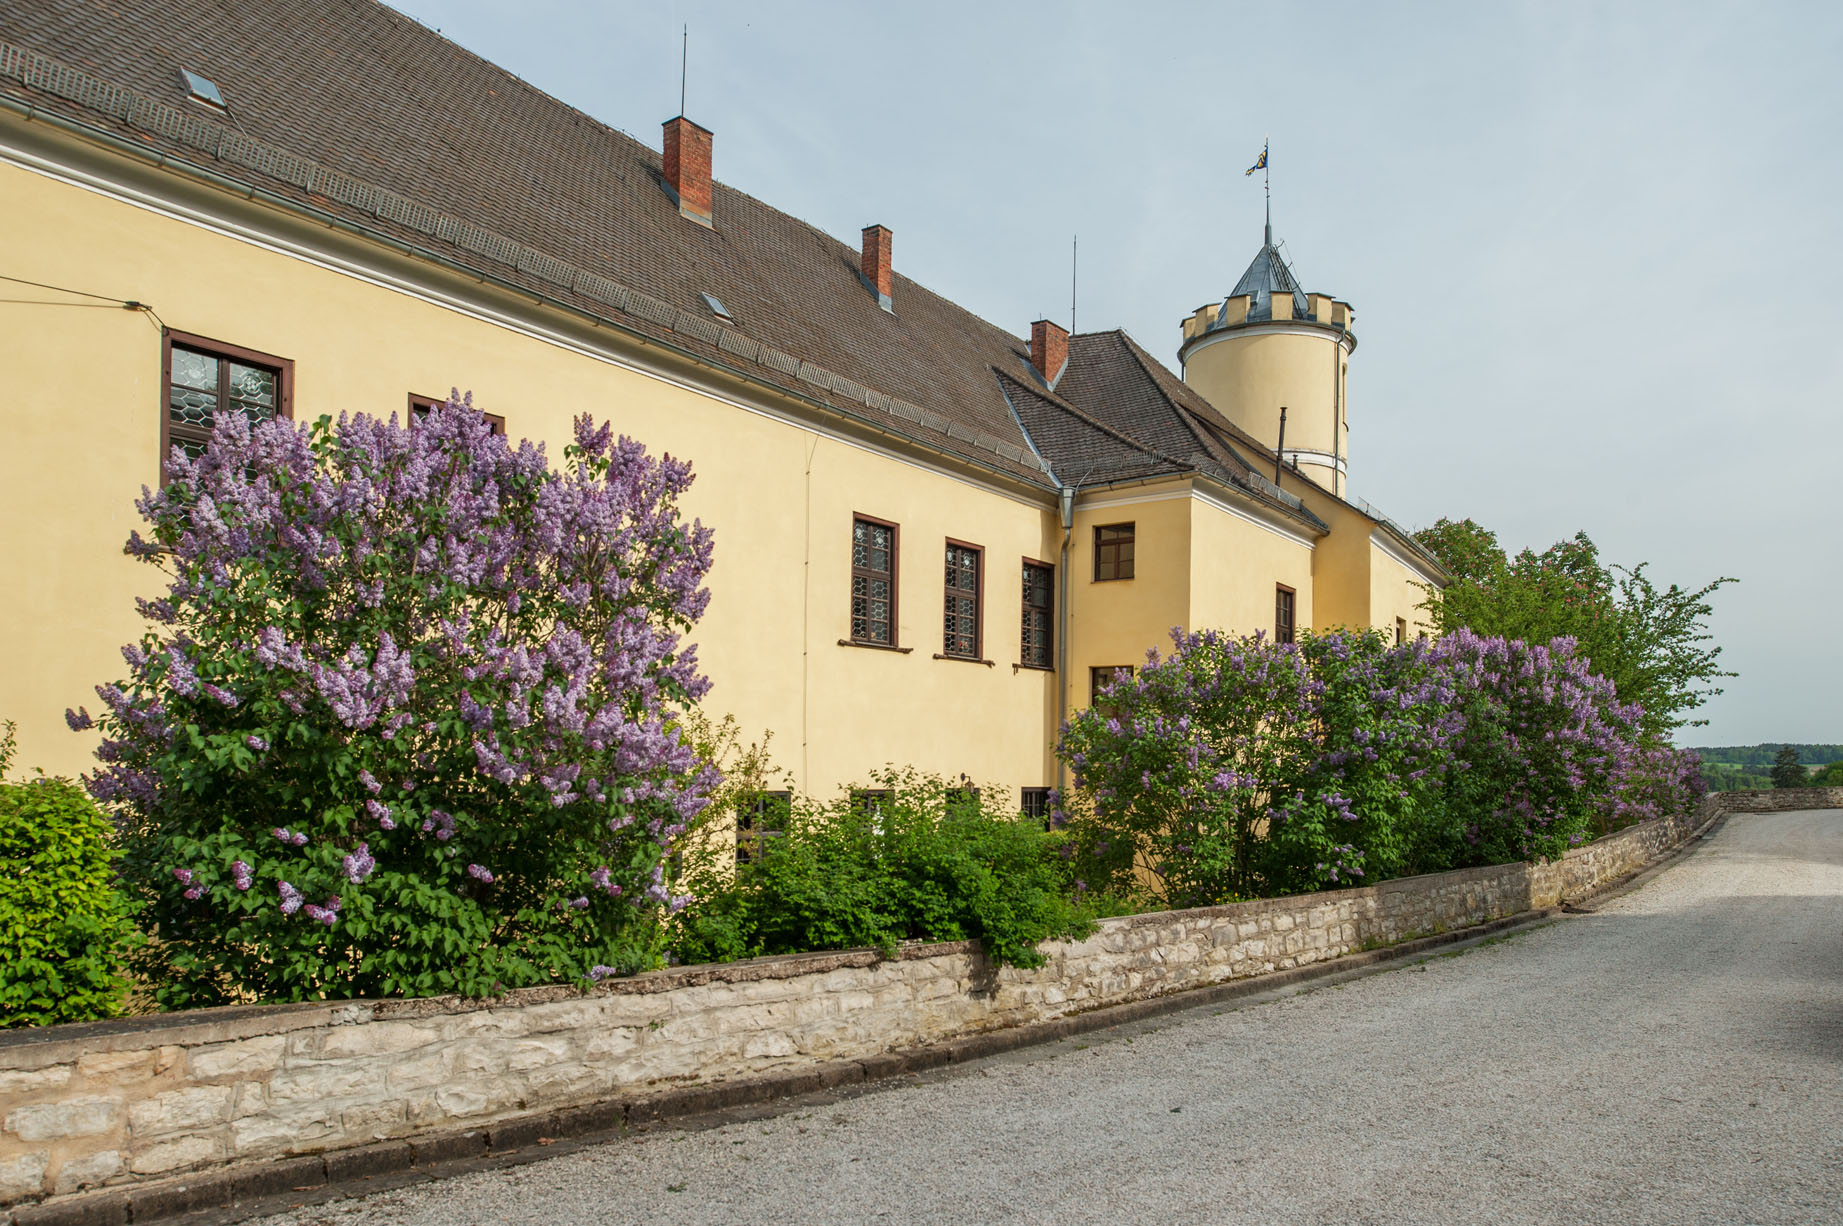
column 1066, row 501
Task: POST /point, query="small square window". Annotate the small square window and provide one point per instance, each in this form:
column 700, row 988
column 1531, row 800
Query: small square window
column 872, row 802
column 421, row 406
column 1036, row 805
column 1113, row 552
column 759, row 818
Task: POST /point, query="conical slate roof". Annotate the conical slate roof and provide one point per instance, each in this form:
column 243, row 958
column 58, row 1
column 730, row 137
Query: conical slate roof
column 1266, row 276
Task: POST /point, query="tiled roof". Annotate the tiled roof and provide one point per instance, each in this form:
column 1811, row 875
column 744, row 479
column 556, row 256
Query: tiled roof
column 353, row 110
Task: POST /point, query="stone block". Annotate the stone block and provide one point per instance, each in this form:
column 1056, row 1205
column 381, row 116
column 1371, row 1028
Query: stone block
column 266, row 1135
column 72, row 1117
column 179, row 1110
column 372, row 1121
column 244, row 1058
column 376, row 1039
column 23, row 1176
column 23, row 1081
column 117, row 1064
column 88, row 1171
column 344, row 1079
column 171, row 1155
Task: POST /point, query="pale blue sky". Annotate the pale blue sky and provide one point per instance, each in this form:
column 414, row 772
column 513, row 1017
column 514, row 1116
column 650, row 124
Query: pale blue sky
column 1592, row 248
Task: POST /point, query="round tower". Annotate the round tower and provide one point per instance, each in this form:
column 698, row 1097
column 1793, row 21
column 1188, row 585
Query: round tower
column 1270, row 345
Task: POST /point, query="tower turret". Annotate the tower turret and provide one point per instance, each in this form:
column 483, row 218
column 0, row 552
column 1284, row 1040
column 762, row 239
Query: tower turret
column 1270, row 344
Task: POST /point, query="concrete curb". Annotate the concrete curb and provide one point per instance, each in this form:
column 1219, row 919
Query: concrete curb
column 435, row 1155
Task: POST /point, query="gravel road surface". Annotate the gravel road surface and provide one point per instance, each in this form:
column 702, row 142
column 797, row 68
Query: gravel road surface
column 1675, row 1057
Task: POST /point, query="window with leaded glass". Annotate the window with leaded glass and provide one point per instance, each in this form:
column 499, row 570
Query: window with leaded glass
column 873, row 582
column 1038, row 640
column 961, row 618
column 204, row 378
column 1283, row 606
column 1113, row 552
column 420, row 406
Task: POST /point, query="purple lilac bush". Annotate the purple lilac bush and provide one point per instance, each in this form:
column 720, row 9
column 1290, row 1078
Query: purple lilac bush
column 1231, row 768
column 403, row 723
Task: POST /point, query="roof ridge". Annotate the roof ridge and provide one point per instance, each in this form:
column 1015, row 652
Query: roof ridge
column 1140, row 357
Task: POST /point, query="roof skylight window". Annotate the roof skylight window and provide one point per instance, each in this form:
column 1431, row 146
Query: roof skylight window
column 203, row 90
column 718, row 309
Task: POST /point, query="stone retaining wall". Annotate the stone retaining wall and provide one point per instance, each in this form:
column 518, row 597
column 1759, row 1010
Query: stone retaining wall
column 121, row 1102
column 1779, row 800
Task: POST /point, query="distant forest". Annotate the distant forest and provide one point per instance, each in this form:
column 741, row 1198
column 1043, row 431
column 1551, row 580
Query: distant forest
column 1733, row 768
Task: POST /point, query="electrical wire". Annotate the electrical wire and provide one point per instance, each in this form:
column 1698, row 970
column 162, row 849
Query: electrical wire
column 126, row 304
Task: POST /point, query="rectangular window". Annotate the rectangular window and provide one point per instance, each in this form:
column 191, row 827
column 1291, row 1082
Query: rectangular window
column 1038, row 641
column 1282, row 613
column 1401, row 631
column 420, row 406
column 760, row 817
column 1036, row 804
column 202, row 378
column 961, row 617
column 871, row 802
column 873, row 582
column 1113, row 552
column 1100, row 679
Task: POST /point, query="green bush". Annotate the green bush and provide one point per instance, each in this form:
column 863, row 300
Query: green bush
column 64, row 928
column 925, row 863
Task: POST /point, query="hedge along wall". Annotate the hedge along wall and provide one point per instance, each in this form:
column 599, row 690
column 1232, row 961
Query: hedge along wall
column 133, row 1100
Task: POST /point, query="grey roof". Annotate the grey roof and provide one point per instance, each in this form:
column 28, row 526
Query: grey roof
column 1267, row 275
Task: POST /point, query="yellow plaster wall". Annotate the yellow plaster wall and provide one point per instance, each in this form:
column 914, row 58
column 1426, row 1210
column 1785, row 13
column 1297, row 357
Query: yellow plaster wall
column 1113, row 622
column 1340, row 565
column 1396, row 591
column 1235, row 566
column 780, row 583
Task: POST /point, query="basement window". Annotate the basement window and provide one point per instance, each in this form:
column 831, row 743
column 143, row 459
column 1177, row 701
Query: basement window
column 202, row 89
column 717, row 308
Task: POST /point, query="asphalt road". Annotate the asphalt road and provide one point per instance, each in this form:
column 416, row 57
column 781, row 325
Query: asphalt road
column 1675, row 1057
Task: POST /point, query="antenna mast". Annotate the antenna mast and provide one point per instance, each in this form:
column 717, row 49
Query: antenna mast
column 1267, row 186
column 684, row 62
column 1074, row 267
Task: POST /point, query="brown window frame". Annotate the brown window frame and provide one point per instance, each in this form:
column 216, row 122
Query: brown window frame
column 1291, row 633
column 1034, row 803
column 423, row 404
column 1401, row 631
column 893, row 575
column 977, row 592
column 1113, row 562
column 222, row 350
column 1094, row 683
column 1049, row 617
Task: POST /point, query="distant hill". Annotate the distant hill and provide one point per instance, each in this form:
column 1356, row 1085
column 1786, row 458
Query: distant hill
column 1763, row 754
column 1734, row 768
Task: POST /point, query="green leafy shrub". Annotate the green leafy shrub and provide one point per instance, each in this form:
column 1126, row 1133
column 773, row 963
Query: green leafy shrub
column 925, row 862
column 64, row 928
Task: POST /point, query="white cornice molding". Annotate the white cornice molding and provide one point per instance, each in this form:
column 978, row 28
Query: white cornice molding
column 1282, row 327
column 1380, row 538
column 218, row 221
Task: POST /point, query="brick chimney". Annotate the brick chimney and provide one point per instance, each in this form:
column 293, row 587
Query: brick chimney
column 687, row 167
column 875, row 262
column 1049, row 348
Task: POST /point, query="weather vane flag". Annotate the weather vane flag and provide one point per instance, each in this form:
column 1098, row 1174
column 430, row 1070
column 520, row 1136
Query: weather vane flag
column 1260, row 163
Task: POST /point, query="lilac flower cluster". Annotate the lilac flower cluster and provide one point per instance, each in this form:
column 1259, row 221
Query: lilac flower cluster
column 431, row 631
column 1236, row 766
